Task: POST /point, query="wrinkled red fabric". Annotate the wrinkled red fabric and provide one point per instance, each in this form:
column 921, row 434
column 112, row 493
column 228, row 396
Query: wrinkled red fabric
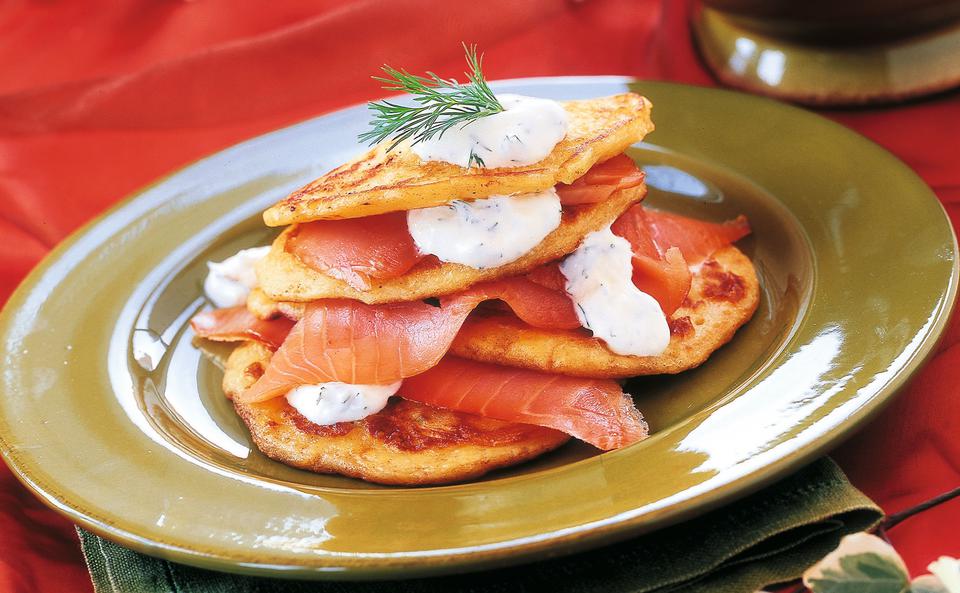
column 99, row 98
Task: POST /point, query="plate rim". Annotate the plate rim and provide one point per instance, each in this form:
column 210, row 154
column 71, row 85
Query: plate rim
column 510, row 552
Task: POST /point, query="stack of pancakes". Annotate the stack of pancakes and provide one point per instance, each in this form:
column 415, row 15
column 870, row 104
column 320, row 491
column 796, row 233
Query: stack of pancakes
column 413, row 443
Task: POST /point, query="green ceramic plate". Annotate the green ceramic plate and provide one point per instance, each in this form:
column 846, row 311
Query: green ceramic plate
column 113, row 418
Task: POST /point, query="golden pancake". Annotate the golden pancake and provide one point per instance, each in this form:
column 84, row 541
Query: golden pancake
column 263, row 307
column 381, row 181
column 724, row 295
column 283, row 277
column 406, row 443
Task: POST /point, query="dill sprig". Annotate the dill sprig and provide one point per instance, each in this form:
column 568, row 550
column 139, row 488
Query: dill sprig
column 440, row 104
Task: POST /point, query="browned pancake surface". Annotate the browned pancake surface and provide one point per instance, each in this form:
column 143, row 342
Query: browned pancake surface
column 724, row 295
column 283, row 277
column 406, row 443
column 380, row 181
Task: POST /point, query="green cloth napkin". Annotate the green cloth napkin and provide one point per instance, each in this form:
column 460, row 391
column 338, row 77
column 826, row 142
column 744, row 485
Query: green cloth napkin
column 767, row 537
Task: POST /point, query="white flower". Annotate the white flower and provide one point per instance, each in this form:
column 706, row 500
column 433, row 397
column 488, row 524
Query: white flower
column 947, row 569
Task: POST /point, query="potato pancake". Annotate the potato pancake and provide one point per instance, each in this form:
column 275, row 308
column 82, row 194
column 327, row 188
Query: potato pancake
column 724, row 295
column 406, row 443
column 380, row 181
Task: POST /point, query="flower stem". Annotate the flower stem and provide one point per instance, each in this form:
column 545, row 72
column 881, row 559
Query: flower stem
column 895, row 519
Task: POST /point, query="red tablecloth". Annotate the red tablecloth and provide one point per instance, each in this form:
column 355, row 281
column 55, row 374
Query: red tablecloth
column 98, row 98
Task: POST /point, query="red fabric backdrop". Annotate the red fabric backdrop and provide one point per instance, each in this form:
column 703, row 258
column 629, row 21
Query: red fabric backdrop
column 98, row 98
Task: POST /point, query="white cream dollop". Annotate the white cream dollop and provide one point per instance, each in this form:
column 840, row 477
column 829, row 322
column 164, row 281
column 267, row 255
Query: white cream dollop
column 485, row 233
column 524, row 133
column 600, row 281
column 229, row 282
column 329, row 403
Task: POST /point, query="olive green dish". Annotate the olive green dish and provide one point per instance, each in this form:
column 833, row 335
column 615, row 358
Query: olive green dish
column 115, row 419
column 869, row 52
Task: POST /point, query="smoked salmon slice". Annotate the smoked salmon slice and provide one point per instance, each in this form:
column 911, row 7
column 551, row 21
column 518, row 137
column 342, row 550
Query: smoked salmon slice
column 601, row 181
column 536, row 304
column 696, row 239
column 593, row 410
column 352, row 342
column 665, row 245
column 549, row 275
column 357, row 250
column 653, row 232
column 237, row 323
column 667, row 279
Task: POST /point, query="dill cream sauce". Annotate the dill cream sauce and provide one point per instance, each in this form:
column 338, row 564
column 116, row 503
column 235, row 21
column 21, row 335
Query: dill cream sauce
column 329, row 403
column 229, row 282
column 485, row 233
column 523, row 134
column 600, row 281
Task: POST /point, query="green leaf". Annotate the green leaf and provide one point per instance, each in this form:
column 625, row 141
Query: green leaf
column 440, row 104
column 862, row 573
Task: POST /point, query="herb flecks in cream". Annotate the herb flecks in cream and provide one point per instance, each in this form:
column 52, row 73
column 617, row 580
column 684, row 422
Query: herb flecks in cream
column 485, row 233
column 330, row 403
column 525, row 132
column 600, row 281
